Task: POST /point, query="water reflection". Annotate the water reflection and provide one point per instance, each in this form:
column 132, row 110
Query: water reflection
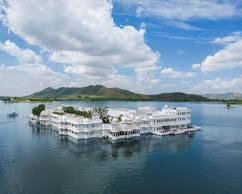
column 103, row 149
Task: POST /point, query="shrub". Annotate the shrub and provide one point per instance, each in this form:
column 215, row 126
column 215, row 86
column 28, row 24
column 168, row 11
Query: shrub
column 58, row 113
column 72, row 110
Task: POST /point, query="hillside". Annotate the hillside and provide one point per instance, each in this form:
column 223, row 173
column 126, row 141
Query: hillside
column 99, row 92
column 95, row 91
column 178, row 96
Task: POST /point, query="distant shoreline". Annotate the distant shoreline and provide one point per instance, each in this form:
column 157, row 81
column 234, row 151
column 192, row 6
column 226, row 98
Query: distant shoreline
column 31, row 99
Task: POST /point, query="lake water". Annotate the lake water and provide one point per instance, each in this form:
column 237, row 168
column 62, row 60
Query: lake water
column 37, row 161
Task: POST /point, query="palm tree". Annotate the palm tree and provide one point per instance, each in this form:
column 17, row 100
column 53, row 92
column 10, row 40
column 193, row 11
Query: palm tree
column 103, row 113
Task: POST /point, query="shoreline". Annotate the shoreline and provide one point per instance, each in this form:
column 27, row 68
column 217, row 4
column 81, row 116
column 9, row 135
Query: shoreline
column 39, row 100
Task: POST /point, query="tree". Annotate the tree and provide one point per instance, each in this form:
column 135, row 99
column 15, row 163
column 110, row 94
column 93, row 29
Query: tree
column 68, row 109
column 103, row 113
column 120, row 118
column 38, row 109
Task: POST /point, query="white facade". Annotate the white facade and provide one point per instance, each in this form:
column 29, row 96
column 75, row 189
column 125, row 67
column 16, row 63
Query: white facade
column 124, row 123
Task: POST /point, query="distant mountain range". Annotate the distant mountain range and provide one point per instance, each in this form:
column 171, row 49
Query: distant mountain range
column 99, row 92
column 225, row 96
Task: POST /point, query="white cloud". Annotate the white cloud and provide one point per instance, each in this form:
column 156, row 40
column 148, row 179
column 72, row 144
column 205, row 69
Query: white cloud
column 25, row 78
column 170, row 73
column 1, row 9
column 227, row 39
column 196, row 66
column 182, row 25
column 90, row 71
column 184, row 9
column 220, row 85
column 31, row 75
column 227, row 58
column 24, row 55
column 81, row 34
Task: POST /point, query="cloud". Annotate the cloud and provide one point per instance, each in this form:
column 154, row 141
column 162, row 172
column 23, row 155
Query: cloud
column 170, row 73
column 30, row 74
column 227, row 39
column 196, row 66
column 23, row 55
column 25, row 78
column 220, row 85
column 227, row 58
column 182, row 25
column 184, row 9
column 1, row 9
column 90, row 48
column 81, row 34
column 90, row 71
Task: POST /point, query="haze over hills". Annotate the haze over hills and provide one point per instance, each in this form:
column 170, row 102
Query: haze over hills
column 225, row 96
column 102, row 92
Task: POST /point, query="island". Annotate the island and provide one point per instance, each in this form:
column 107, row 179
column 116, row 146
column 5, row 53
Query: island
column 115, row 123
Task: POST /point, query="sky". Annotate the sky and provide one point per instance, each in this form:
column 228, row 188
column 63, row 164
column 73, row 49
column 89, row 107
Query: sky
column 146, row 46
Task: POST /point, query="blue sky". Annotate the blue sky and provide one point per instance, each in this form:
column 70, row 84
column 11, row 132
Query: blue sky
column 147, row 46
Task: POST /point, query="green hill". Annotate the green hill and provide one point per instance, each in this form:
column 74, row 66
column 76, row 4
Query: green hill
column 99, row 92
column 178, row 96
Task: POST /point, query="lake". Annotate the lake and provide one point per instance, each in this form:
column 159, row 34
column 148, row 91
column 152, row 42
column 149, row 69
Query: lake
column 37, row 161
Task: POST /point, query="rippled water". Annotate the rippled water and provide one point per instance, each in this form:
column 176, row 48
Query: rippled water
column 37, row 161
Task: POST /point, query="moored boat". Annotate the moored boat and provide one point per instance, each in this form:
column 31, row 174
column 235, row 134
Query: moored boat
column 12, row 115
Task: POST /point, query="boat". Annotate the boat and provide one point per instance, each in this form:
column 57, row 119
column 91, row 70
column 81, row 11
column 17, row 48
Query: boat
column 12, row 115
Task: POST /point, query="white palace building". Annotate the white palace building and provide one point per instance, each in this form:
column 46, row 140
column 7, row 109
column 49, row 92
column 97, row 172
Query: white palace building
column 124, row 123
